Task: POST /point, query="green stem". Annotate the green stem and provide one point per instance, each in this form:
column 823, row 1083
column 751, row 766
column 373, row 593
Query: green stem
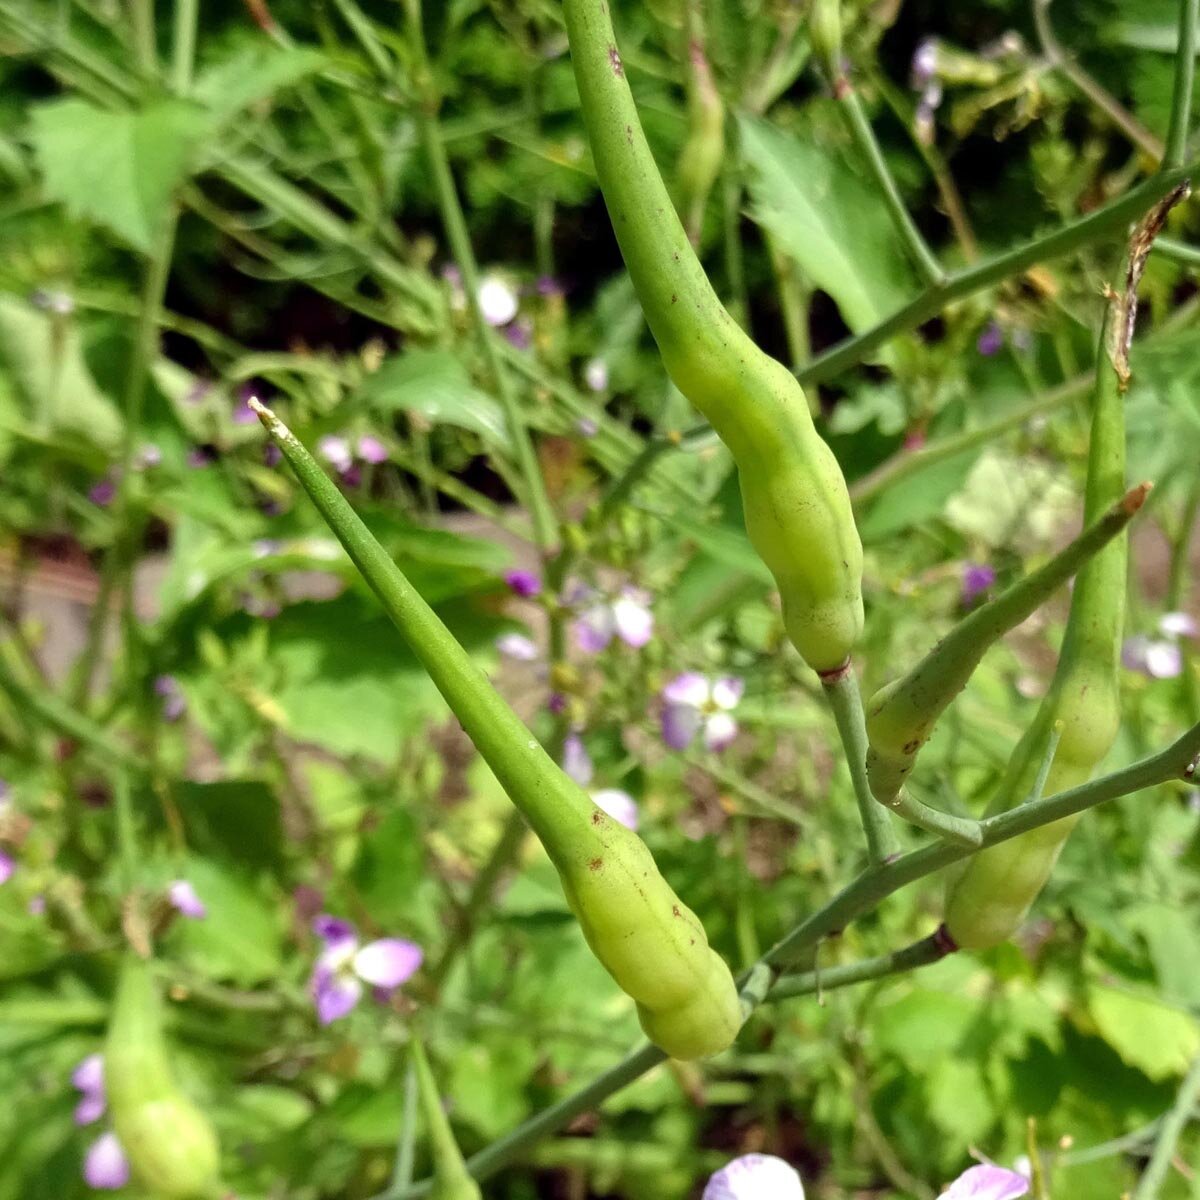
column 804, row 983
column 1177, row 251
column 402, row 1173
column 1181, row 545
column 860, row 130
column 845, row 700
column 1094, row 227
column 1185, row 74
column 544, row 523
column 183, row 49
column 1150, row 1185
column 145, row 52
column 860, row 896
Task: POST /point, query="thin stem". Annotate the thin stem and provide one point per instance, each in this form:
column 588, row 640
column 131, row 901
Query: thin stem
column 145, row 52
column 1176, row 251
column 804, row 983
column 402, row 1172
column 860, row 130
column 1155, row 1175
column 545, row 525
column 963, row 831
column 1185, row 74
column 183, row 49
column 1181, row 546
column 845, row 701
column 1094, row 227
column 1104, row 100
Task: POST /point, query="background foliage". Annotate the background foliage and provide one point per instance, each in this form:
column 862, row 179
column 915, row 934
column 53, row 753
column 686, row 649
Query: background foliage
column 315, row 768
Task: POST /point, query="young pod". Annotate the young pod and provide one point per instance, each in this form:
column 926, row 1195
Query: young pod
column 171, row 1147
column 902, row 714
column 798, row 512
column 652, row 945
column 988, row 897
column 451, row 1179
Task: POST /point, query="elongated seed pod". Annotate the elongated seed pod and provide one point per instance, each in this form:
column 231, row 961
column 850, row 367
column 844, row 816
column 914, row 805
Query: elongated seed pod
column 796, row 505
column 703, row 151
column 902, row 714
column 989, row 897
column 649, row 941
column 171, row 1147
column 451, row 1179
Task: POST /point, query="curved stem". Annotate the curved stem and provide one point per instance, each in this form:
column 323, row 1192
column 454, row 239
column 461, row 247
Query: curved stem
column 928, row 950
column 845, row 701
column 1155, row 1174
column 1185, row 74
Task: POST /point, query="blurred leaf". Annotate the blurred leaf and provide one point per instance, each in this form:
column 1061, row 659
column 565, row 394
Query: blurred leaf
column 253, row 75
column 959, row 1099
column 829, row 220
column 917, row 499
column 1008, row 497
column 118, row 169
column 435, row 385
column 235, row 818
column 239, row 940
column 1159, row 1041
column 54, row 383
column 924, row 1026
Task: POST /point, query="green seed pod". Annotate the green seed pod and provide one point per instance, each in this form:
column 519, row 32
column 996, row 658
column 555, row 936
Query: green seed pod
column 171, row 1146
column 902, row 714
column 451, row 1179
column 825, row 34
column 652, row 945
column 798, row 512
column 989, row 896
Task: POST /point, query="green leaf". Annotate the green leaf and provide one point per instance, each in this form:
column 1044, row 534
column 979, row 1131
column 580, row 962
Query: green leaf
column 118, row 169
column 239, row 939
column 1159, row 1041
column 923, row 1026
column 235, row 818
column 959, row 1099
column 826, row 218
column 55, row 386
column 435, row 385
column 253, row 75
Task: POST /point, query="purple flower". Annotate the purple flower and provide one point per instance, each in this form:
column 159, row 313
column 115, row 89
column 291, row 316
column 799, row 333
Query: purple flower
column 991, row 340
column 695, row 704
column 105, row 1165
column 976, row 579
column 524, row 583
column 200, row 457
column 7, row 867
column 519, row 333
column 628, row 617
column 335, row 450
column 547, row 285
column 556, row 703
column 147, row 456
column 88, row 1079
column 1157, row 659
column 243, row 414
column 174, row 703
column 619, row 805
column 586, row 427
column 36, row 906
column 576, row 761
column 755, row 1177
column 1178, row 624
column 926, row 110
column 371, row 449
column 272, row 455
column 104, row 491
column 987, row 1182
column 517, row 646
column 344, row 966
column 183, row 898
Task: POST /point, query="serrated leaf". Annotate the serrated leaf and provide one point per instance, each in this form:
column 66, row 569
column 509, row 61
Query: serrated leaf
column 828, row 219
column 117, row 169
column 435, row 385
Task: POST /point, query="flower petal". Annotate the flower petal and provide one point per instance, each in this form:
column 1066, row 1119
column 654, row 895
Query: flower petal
column 517, row 646
column 184, row 900
column 633, row 620
column 1164, row 660
column 987, row 1182
column 333, row 931
column 88, row 1076
column 7, row 867
column 727, row 691
column 371, row 449
column 755, row 1177
column 335, row 451
column 497, row 301
column 334, row 994
column 680, row 723
column 689, row 688
column 619, row 805
column 105, row 1165
column 719, row 731
column 90, row 1108
column 524, row 583
column 388, row 962
column 576, row 761
column 1178, row 624
column 594, row 630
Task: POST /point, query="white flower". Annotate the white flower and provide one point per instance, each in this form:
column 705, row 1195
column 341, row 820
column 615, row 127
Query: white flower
column 755, row 1177
column 497, row 300
column 692, row 703
column 595, row 374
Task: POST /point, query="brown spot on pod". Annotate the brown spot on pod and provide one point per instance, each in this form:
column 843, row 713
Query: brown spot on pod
column 595, row 864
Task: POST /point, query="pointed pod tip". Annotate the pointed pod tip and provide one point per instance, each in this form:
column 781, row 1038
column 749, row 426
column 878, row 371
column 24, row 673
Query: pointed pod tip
column 273, row 425
column 1136, row 497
